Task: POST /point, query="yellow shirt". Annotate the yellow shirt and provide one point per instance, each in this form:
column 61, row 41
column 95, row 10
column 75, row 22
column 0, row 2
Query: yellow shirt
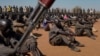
column 8, row 9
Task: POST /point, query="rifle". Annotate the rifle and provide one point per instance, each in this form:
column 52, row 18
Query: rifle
column 42, row 6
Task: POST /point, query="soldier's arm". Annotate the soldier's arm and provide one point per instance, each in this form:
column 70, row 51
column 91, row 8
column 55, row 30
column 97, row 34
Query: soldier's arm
column 78, row 25
column 62, row 32
column 16, row 24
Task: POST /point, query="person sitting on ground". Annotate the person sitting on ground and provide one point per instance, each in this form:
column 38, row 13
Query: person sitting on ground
column 59, row 35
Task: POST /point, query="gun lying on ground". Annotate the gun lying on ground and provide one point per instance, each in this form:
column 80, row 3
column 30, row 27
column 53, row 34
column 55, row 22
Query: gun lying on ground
column 34, row 18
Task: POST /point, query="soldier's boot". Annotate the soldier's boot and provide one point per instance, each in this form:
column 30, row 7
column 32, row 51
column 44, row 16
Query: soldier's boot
column 74, row 48
column 92, row 37
column 79, row 44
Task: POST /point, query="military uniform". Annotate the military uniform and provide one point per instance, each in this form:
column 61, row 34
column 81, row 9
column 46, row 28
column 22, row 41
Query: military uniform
column 59, row 36
column 84, row 26
column 9, row 39
column 30, row 45
column 73, row 20
column 5, row 36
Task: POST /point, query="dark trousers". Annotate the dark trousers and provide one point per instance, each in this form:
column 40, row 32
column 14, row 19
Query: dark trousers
column 62, row 39
column 80, row 31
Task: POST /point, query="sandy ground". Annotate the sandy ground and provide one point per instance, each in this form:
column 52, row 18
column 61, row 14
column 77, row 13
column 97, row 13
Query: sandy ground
column 92, row 47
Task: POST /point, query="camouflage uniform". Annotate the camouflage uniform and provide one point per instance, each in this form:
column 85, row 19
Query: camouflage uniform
column 5, row 36
column 73, row 20
column 84, row 26
column 10, row 38
column 59, row 36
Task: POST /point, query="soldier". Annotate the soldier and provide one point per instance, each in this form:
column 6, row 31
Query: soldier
column 9, row 9
column 16, row 9
column 30, row 9
column 20, row 15
column 0, row 9
column 9, row 12
column 73, row 19
column 4, row 12
column 21, row 9
column 26, row 13
column 5, row 48
column 13, row 13
column 13, row 9
column 84, row 25
column 0, row 12
column 59, row 35
column 17, row 12
column 46, row 23
column 9, row 39
column 5, row 9
column 25, row 9
column 69, row 21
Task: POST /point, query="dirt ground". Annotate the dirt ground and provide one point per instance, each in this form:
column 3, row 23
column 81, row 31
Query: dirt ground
column 92, row 47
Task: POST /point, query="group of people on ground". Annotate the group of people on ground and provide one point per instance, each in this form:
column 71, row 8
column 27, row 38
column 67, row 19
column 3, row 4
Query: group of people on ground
column 13, row 25
column 60, row 32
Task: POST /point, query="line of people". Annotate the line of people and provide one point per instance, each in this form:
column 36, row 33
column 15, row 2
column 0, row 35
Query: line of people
column 60, row 32
column 12, row 27
column 15, row 13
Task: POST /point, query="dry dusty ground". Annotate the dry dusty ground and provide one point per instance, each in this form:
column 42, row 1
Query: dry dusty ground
column 92, row 47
